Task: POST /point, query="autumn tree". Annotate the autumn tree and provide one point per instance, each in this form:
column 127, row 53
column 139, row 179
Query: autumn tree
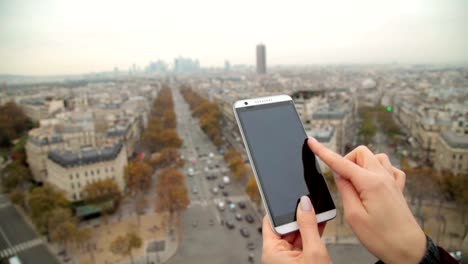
column 62, row 227
column 171, row 192
column 169, row 119
column 160, row 132
column 13, row 122
column 208, row 113
column 15, row 175
column 170, row 139
column 167, row 157
column 456, row 188
column 124, row 245
column 42, row 202
column 138, row 176
column 252, row 190
column 236, row 164
column 102, row 193
column 18, row 197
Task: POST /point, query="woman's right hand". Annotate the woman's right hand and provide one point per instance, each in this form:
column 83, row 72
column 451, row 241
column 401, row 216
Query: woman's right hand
column 374, row 205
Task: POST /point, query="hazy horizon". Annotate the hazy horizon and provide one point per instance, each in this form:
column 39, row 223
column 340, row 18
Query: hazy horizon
column 54, row 37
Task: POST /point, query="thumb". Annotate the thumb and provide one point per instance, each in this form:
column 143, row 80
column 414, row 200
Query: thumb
column 312, row 245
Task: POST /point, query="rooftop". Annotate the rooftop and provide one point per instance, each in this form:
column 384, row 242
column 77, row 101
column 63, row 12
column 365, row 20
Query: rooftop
column 329, row 113
column 455, row 140
column 323, row 135
column 68, row 159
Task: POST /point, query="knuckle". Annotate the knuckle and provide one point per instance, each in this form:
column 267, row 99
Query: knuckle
column 384, row 156
column 361, row 148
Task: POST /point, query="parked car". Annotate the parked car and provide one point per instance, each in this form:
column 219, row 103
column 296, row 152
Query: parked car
column 230, row 224
column 251, row 245
column 251, row 257
column 194, row 190
column 238, row 217
column 241, row 205
column 215, row 190
column 249, row 218
column 225, row 194
column 226, row 180
column 221, row 206
column 244, row 232
column 190, row 171
column 232, row 206
column 221, row 185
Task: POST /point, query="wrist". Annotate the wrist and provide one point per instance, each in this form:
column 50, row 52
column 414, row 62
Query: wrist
column 414, row 250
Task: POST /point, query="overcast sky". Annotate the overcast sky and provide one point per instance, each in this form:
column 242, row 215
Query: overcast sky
column 57, row 37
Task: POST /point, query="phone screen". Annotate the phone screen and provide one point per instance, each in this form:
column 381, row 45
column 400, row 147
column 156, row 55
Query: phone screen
column 286, row 167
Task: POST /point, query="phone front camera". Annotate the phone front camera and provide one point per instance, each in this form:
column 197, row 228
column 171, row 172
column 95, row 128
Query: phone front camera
column 246, row 103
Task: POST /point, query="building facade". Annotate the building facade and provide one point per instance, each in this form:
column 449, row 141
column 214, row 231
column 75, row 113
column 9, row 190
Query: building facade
column 72, row 171
column 451, row 153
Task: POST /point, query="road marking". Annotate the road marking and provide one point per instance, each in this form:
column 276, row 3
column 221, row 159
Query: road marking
column 5, row 237
column 10, row 251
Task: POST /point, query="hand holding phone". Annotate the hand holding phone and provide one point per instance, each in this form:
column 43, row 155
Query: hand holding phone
column 284, row 166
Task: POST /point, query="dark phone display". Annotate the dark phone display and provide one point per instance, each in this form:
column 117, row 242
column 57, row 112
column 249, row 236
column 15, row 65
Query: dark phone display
column 287, row 169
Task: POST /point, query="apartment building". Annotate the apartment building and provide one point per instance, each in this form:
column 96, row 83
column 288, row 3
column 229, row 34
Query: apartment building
column 72, row 171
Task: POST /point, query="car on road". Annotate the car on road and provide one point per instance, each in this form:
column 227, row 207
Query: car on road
column 230, row 224
column 238, row 217
column 251, row 257
column 221, row 206
column 211, row 155
column 232, row 206
column 211, row 177
column 241, row 205
column 194, row 190
column 249, row 218
column 244, row 232
column 190, row 171
column 251, row 245
column 226, row 180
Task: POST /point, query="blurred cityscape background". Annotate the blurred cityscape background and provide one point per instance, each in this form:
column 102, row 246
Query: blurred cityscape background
column 114, row 148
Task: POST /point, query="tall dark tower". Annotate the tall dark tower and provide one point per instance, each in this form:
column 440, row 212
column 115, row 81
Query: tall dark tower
column 261, row 59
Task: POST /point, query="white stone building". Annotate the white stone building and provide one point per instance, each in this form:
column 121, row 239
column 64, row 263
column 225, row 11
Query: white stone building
column 72, row 171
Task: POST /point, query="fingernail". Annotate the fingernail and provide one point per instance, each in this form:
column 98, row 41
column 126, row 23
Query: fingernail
column 312, row 139
column 306, row 205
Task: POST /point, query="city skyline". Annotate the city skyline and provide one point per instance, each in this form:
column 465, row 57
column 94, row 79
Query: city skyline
column 54, row 37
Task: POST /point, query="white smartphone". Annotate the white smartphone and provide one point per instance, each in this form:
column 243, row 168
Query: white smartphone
column 284, row 166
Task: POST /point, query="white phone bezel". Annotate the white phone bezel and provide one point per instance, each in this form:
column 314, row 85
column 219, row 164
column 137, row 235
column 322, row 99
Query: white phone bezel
column 289, row 227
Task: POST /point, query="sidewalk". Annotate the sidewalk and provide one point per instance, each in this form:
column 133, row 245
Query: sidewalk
column 150, row 229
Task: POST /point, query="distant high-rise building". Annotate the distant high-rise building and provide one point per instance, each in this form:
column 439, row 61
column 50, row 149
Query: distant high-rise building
column 186, row 65
column 227, row 66
column 261, row 59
